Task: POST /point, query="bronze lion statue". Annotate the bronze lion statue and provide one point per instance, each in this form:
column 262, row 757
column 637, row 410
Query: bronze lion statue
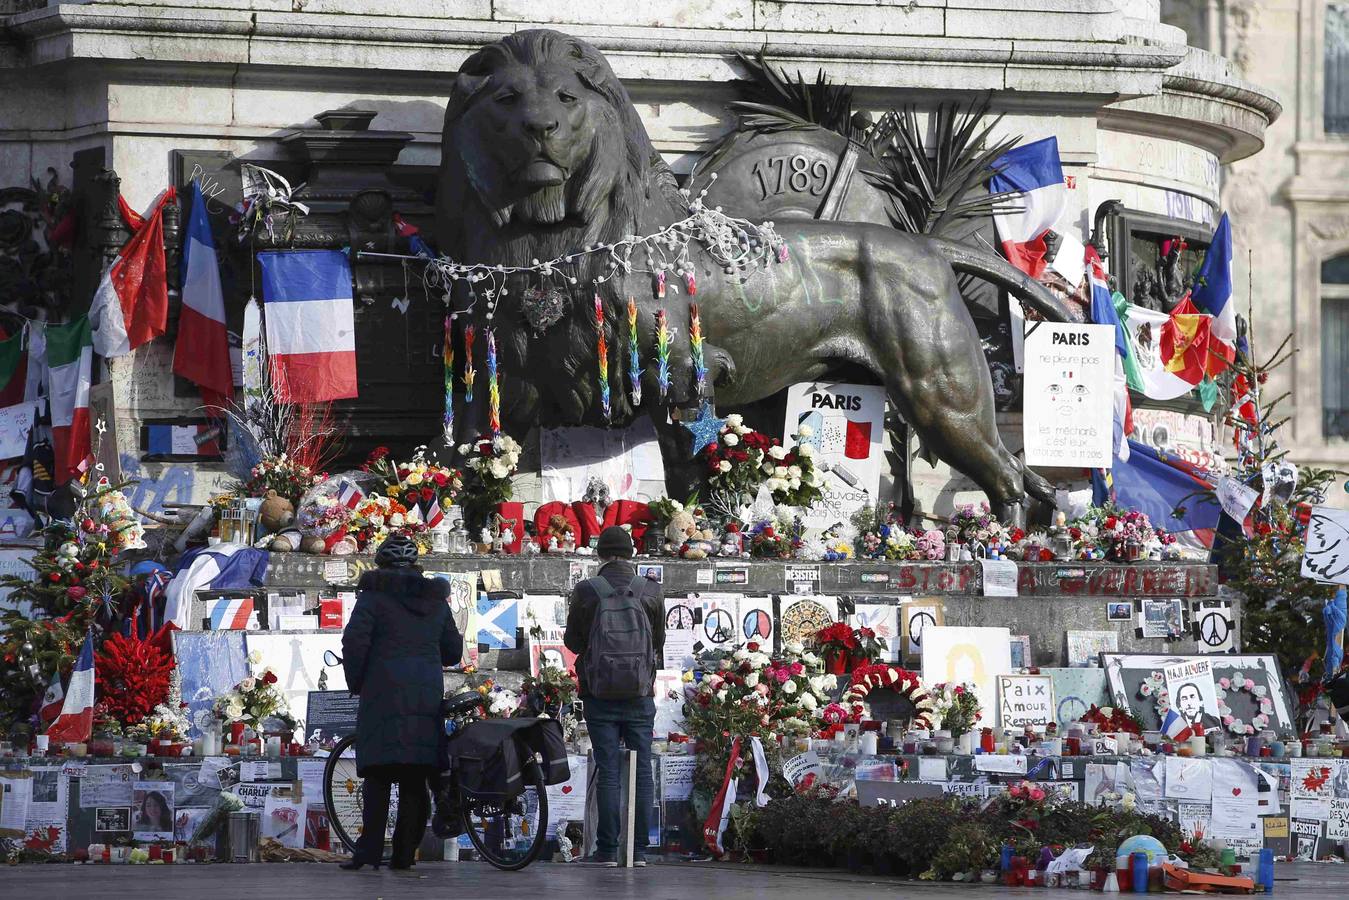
column 544, row 154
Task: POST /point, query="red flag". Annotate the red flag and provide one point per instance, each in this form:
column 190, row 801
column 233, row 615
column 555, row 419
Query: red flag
column 132, row 303
column 1184, row 343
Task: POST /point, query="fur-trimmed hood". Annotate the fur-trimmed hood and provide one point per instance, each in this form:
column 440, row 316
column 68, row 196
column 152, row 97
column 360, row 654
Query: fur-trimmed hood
column 418, row 594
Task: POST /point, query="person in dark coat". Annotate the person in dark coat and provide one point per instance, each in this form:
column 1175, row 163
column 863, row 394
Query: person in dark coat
column 615, row 725
column 400, row 637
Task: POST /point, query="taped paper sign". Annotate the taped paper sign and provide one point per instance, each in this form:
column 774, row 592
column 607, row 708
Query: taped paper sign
column 914, row 617
column 1235, row 498
column 798, row 768
column 1002, row 764
column 1326, row 557
column 882, row 618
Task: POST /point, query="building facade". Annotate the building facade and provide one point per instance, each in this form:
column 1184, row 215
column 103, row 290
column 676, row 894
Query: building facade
column 162, row 91
column 1290, row 206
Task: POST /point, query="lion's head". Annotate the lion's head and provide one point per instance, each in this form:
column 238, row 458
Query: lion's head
column 542, row 151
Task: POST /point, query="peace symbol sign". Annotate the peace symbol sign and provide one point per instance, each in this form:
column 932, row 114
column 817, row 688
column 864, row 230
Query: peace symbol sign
column 917, row 622
column 719, row 626
column 1070, row 709
column 758, row 625
column 679, row 616
column 1214, row 628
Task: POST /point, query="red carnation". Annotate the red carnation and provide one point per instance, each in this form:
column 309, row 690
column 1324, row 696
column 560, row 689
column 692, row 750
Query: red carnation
column 79, row 567
column 93, row 564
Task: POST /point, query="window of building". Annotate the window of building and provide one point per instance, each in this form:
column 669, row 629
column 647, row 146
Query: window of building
column 1337, row 68
column 1335, row 345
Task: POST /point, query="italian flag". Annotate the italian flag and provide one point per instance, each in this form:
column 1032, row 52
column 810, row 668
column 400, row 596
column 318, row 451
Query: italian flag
column 70, row 357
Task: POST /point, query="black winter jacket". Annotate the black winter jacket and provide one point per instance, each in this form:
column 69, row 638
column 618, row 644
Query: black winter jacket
column 584, row 599
column 400, row 636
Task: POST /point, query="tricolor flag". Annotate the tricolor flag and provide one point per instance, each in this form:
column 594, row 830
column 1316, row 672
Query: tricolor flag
column 70, row 356
column 434, row 515
column 1035, row 172
column 349, row 495
column 1212, row 293
column 311, row 338
column 52, row 700
column 1145, row 367
column 1185, row 342
column 1156, row 483
column 1103, row 313
column 1176, row 728
column 202, row 354
column 76, row 720
column 222, row 567
column 199, row 440
column 230, row 613
column 132, row 302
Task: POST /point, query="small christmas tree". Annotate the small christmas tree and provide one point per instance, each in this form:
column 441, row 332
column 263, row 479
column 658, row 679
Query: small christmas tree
column 30, row 651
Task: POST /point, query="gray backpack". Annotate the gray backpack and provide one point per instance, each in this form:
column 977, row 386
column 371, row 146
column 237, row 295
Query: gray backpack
column 619, row 662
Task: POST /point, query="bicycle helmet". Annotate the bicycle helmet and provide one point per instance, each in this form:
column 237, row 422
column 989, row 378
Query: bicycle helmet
column 396, row 552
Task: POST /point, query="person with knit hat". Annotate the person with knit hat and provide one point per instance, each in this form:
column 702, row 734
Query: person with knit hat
column 616, row 627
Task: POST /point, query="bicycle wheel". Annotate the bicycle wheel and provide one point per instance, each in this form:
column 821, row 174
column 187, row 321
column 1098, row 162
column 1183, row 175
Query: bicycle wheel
column 510, row 836
column 342, row 793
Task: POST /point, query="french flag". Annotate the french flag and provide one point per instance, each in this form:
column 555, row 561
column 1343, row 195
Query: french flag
column 311, row 335
column 76, row 721
column 349, row 495
column 221, row 567
column 1035, row 172
column 434, row 514
column 1177, row 729
column 1103, row 313
column 230, row 613
column 1212, row 293
column 202, row 354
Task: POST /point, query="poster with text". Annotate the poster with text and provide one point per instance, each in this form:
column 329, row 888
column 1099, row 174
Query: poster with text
column 844, row 425
column 1070, row 370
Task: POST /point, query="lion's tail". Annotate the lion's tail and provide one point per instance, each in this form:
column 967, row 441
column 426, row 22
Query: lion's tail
column 991, row 267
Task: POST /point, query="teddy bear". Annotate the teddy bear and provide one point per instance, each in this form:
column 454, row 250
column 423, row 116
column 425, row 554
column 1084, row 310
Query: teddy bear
column 558, row 530
column 275, row 513
column 684, row 538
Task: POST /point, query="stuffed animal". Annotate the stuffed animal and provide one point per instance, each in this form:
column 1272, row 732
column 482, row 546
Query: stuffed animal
column 560, row 530
column 682, row 526
column 275, row 513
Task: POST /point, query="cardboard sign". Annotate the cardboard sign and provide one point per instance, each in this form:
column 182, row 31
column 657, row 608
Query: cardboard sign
column 999, row 577
column 1326, row 557
column 1070, row 369
column 844, row 424
column 1026, row 700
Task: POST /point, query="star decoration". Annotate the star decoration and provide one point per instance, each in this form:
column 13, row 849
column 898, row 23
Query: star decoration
column 706, row 428
column 100, row 426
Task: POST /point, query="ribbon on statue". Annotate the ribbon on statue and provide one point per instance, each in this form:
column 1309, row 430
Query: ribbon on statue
column 715, row 825
column 760, row 772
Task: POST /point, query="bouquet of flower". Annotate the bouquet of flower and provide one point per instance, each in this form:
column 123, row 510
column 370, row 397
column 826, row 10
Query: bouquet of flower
column 742, row 459
column 766, row 542
column 665, row 509
column 253, row 700
column 1112, row 720
column 376, row 517
column 282, row 474
column 753, row 693
column 489, row 466
column 956, row 708
column 931, row 544
column 422, row 485
column 968, row 524
column 549, row 692
column 852, row 646
column 498, row 702
column 1115, row 533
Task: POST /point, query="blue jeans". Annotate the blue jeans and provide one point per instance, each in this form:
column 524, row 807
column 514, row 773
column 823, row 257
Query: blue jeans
column 631, row 722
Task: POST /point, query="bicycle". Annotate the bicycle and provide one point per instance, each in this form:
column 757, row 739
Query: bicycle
column 509, row 835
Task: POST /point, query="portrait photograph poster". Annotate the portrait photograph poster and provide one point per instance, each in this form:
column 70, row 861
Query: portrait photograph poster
column 1127, row 672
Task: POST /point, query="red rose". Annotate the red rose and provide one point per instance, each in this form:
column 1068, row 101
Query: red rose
column 93, row 564
column 1111, row 522
column 440, row 478
column 752, row 646
column 1017, row 535
column 79, row 567
column 712, row 448
column 269, row 677
column 427, row 493
column 55, row 576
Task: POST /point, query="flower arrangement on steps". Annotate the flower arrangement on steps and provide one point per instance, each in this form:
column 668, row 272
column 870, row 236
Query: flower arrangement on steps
column 844, row 648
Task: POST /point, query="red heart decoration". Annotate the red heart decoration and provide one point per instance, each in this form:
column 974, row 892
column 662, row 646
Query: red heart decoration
column 566, row 789
column 1236, row 792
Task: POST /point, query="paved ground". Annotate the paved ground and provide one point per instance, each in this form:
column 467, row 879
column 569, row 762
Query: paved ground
column 477, row 881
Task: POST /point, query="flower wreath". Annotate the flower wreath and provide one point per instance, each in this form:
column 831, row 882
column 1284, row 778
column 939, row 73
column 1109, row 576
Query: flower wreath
column 1154, row 686
column 906, row 684
column 1239, row 682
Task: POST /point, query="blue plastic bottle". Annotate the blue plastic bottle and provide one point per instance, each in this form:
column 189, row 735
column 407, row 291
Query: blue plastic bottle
column 1140, row 873
column 1006, row 857
column 1265, row 871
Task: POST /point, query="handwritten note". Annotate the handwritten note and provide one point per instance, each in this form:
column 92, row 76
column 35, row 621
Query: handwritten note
column 999, row 577
column 1235, row 498
column 1008, row 764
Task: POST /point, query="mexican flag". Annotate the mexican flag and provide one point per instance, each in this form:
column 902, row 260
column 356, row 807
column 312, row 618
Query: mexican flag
column 70, row 357
column 1144, row 366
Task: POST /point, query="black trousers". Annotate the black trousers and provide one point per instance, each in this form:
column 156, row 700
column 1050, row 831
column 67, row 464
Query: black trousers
column 414, row 808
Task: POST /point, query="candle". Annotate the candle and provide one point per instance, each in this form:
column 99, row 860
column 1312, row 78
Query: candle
column 602, row 356
column 493, row 387
column 696, row 348
column 662, row 353
column 274, row 747
column 447, row 357
column 468, row 364
column 634, row 355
